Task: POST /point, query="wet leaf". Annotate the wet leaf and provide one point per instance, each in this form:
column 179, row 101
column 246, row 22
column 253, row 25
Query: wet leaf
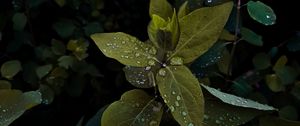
column 275, row 121
column 66, row 61
column 251, row 37
column 286, row 74
column 182, row 93
column 13, row 103
column 64, row 28
column 200, row 29
column 280, row 63
column 5, row 84
column 47, row 94
column 135, row 108
column 261, row 61
column 20, row 21
column 261, row 12
column 42, row 71
column 274, row 83
column 161, row 8
column 126, row 49
column 238, row 101
column 140, row 77
column 10, row 68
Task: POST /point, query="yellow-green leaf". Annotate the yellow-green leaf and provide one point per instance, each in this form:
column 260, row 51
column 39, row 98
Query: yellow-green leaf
column 226, row 35
column 183, row 10
column 154, row 26
column 261, row 61
column 5, row 84
column 200, row 29
column 10, row 68
column 173, row 27
column 135, row 108
column 280, row 63
column 161, row 8
column 126, row 49
column 13, row 103
column 274, row 83
column 182, row 93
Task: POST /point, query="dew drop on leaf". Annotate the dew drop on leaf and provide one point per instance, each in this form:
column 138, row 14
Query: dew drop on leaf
column 176, row 61
column 162, row 72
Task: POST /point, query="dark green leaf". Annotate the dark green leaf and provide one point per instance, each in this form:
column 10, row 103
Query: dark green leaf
column 195, row 4
column 275, row 121
column 47, row 94
column 135, row 108
column 261, row 12
column 286, row 74
column 161, row 8
column 20, row 21
column 293, row 44
column 64, row 28
column 126, row 49
column 10, row 68
column 251, row 37
column 58, row 47
column 66, row 61
column 140, row 77
column 182, row 93
column 29, row 73
column 92, row 28
column 200, row 29
column 35, row 3
column 261, row 61
column 289, row 112
column 5, row 84
column 43, row 70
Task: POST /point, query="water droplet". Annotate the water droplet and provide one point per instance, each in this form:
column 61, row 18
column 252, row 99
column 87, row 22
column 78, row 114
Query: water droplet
column 184, row 113
column 268, row 16
column 206, row 116
column 4, row 110
column 137, row 55
column 176, row 103
column 143, row 120
column 136, row 48
column 162, row 72
column 176, row 61
column 209, row 1
column 218, row 121
column 190, row 124
column 153, row 123
column 151, row 62
column 148, row 68
column 173, row 92
column 153, row 51
column 123, row 42
column 138, row 62
column 221, row 118
column 178, row 98
column 172, row 108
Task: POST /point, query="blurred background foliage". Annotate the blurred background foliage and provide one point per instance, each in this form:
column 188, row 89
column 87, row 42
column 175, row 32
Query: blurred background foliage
column 45, row 46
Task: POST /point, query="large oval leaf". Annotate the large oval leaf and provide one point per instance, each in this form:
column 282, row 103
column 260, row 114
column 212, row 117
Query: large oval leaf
column 10, row 68
column 261, row 12
column 182, row 93
column 135, row 108
column 13, row 103
column 125, row 48
column 200, row 29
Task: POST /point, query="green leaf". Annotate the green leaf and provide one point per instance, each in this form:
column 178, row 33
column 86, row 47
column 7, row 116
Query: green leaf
column 280, row 62
column 261, row 12
column 251, row 37
column 227, row 36
column 154, row 30
column 293, row 44
column 47, row 94
column 182, row 93
column 274, row 83
column 161, row 8
column 14, row 103
column 261, row 61
column 93, row 27
column 200, row 29
column 43, row 70
column 58, row 47
column 238, row 101
column 10, row 68
column 275, row 121
column 126, row 49
column 183, row 10
column 286, row 74
column 140, row 77
column 289, row 112
column 224, row 62
column 79, row 48
column 64, row 28
column 66, row 61
column 20, row 21
column 135, row 108
column 5, row 84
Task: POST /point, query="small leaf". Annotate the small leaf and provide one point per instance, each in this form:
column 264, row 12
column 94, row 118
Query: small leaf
column 5, row 84
column 280, row 63
column 64, row 28
column 286, row 74
column 224, row 62
column 135, row 108
column 79, row 48
column 251, row 37
column 238, row 101
column 241, row 87
column 289, row 112
column 43, row 70
column 140, row 77
column 274, row 83
column 275, row 121
column 226, row 36
column 58, row 47
column 66, row 61
column 200, row 29
column 293, row 44
column 93, row 27
column 261, row 12
column 96, row 119
column 126, row 49
column 183, row 10
column 20, row 21
column 13, row 103
column 273, row 52
column 182, row 93
column 10, row 68
column 161, row 8
column 261, row 61
column 47, row 94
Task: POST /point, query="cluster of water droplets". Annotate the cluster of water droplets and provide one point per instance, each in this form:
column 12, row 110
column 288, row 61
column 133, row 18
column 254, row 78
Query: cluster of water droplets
column 138, row 76
column 149, row 114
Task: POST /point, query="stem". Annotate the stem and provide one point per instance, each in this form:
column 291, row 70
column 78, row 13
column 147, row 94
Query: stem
column 235, row 38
